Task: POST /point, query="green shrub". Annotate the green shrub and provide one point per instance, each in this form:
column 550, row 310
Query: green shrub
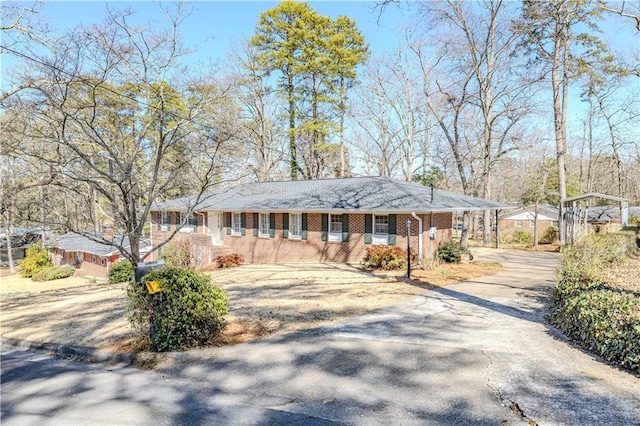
column 388, row 258
column 604, row 319
column 550, row 235
column 59, row 272
column 450, row 252
column 36, row 259
column 121, row 272
column 187, row 313
column 229, row 261
column 520, row 237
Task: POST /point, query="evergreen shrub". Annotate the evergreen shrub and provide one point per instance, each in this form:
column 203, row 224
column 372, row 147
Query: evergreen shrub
column 121, row 272
column 450, row 252
column 187, row 313
column 602, row 318
column 36, row 259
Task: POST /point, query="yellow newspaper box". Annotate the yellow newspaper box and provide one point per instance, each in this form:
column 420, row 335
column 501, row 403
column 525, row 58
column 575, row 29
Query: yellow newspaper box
column 154, row 287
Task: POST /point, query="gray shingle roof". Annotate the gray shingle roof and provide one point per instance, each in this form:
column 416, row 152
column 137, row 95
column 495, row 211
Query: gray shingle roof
column 608, row 213
column 362, row 194
column 74, row 242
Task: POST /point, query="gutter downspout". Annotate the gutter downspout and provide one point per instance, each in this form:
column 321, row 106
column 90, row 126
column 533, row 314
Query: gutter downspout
column 413, row 214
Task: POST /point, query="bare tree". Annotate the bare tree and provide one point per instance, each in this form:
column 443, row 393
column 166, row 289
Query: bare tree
column 121, row 123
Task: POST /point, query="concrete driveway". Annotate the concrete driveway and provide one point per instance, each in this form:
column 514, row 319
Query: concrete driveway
column 478, row 352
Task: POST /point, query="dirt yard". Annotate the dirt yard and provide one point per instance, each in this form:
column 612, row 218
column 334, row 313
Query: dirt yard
column 265, row 300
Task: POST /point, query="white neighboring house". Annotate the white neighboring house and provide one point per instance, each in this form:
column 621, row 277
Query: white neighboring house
column 524, row 219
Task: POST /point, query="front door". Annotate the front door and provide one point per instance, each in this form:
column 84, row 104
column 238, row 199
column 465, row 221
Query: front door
column 215, row 227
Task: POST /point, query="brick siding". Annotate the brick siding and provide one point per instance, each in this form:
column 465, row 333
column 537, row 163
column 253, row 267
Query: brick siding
column 313, row 249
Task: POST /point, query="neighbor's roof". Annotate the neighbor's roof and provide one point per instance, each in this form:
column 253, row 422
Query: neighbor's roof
column 527, row 212
column 608, row 213
column 362, row 194
column 79, row 243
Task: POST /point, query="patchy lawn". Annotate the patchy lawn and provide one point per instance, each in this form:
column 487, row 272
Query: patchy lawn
column 265, row 300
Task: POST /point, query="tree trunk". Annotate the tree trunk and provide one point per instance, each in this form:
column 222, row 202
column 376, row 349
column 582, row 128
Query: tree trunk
column 293, row 162
column 8, row 232
column 464, row 235
column 559, row 81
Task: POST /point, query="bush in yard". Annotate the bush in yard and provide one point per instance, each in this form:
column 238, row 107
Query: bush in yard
column 229, row 261
column 178, row 254
column 603, row 318
column 450, row 252
column 388, row 258
column 188, row 312
column 59, row 272
column 36, row 259
column 121, row 272
column 521, row 237
column 550, row 235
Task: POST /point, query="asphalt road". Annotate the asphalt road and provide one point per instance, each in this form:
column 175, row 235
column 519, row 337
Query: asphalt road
column 478, row 352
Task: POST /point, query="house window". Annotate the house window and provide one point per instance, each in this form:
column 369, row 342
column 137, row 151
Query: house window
column 164, row 221
column 380, row 229
column 190, row 222
column 295, row 225
column 335, row 227
column 532, row 224
column 264, row 224
column 236, row 223
column 518, row 223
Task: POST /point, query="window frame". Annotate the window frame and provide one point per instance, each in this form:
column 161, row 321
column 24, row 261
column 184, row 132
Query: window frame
column 164, row 220
column 380, row 237
column 335, row 236
column 264, row 220
column 236, row 219
column 188, row 225
column 293, row 226
column 518, row 223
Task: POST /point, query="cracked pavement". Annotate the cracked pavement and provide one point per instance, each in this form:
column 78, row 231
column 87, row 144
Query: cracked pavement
column 478, row 352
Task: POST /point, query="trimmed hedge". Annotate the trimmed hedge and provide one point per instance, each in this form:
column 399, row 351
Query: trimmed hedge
column 121, row 272
column 188, row 312
column 54, row 273
column 602, row 318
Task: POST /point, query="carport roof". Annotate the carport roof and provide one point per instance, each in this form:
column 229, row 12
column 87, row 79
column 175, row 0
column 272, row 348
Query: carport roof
column 361, row 194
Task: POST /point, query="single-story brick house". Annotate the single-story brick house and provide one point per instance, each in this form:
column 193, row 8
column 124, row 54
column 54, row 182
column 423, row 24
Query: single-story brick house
column 327, row 220
column 89, row 257
column 524, row 219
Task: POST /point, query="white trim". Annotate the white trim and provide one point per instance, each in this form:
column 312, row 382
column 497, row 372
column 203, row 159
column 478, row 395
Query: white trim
column 297, row 236
column 381, row 237
column 260, row 223
column 235, row 222
column 334, row 236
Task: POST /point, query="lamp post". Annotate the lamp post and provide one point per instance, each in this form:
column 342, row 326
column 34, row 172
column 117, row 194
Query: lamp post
column 409, row 248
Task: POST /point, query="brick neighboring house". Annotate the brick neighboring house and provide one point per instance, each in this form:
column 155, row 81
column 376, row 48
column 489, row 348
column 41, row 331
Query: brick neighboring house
column 523, row 219
column 89, row 257
column 327, row 220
